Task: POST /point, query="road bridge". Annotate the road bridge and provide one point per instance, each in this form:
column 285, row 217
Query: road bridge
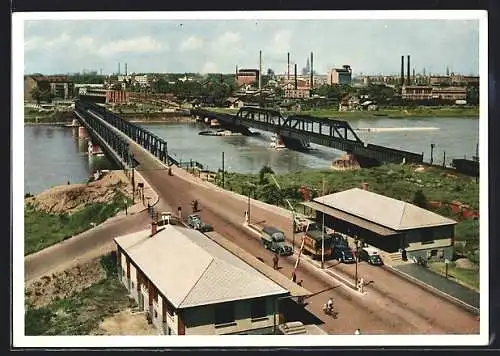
column 378, row 312
column 297, row 131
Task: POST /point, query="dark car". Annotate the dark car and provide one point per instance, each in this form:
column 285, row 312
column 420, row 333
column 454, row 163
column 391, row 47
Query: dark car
column 343, row 255
column 371, row 256
column 194, row 221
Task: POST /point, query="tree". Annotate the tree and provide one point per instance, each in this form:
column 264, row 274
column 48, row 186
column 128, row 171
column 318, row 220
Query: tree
column 419, row 199
column 472, row 95
column 36, row 94
column 262, row 174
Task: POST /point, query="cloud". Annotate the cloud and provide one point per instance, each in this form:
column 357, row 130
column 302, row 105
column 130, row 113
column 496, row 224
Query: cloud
column 228, row 40
column 192, row 43
column 85, row 43
column 145, row 44
column 37, row 42
column 209, row 67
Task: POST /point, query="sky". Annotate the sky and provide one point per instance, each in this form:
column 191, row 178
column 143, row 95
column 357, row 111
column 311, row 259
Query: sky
column 206, row 46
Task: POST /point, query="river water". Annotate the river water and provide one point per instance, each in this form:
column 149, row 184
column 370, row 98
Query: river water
column 54, row 155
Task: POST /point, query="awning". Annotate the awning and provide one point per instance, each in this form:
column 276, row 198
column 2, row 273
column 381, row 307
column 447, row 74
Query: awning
column 338, row 214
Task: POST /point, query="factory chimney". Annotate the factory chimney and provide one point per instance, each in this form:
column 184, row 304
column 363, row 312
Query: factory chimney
column 236, row 73
column 125, row 69
column 408, row 79
column 260, row 70
column 402, row 70
column 118, row 68
column 288, row 62
column 312, row 72
column 295, row 76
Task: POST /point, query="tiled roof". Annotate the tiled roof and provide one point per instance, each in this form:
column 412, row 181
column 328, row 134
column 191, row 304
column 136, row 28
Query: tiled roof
column 392, row 213
column 189, row 269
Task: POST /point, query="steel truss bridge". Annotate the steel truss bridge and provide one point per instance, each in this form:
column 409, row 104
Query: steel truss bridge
column 297, row 131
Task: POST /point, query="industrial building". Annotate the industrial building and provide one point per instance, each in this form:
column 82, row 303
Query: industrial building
column 340, row 76
column 189, row 285
column 59, row 86
column 247, row 76
column 413, row 93
column 386, row 223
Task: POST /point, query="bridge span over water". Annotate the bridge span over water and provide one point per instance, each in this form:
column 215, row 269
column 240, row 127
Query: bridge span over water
column 297, row 131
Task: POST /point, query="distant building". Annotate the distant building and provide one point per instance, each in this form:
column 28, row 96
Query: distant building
column 117, row 97
column 59, row 86
column 341, row 76
column 302, row 91
column 190, row 285
column 143, row 80
column 414, row 93
column 247, row 76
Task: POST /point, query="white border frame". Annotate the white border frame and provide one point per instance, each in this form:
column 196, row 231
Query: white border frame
column 20, row 340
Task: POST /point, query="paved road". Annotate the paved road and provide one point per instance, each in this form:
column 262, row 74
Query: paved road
column 89, row 244
column 392, row 305
column 439, row 282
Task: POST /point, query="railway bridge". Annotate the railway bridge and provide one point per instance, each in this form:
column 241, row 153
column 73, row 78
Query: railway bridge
column 298, row 131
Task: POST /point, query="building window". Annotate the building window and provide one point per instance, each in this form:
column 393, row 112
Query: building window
column 258, row 309
column 224, row 313
column 156, row 314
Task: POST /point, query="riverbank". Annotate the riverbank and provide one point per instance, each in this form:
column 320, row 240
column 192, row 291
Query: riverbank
column 67, row 210
column 437, row 112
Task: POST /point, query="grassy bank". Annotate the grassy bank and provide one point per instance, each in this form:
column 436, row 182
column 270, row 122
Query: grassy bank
column 82, row 312
column 466, row 277
column 48, row 117
column 389, row 113
column 42, row 229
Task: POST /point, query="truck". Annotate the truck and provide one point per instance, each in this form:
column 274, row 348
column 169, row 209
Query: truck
column 313, row 241
column 341, row 250
column 274, row 240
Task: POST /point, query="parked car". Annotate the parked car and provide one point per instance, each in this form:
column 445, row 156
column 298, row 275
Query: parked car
column 343, row 254
column 274, row 240
column 370, row 255
column 194, row 221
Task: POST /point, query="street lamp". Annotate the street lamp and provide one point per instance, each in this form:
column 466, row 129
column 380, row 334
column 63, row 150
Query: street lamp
column 293, row 213
column 249, row 185
column 126, row 204
column 356, row 260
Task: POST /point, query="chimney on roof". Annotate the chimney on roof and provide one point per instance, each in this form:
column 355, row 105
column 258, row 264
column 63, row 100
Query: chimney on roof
column 365, row 186
column 288, row 67
column 154, row 227
column 295, row 76
column 408, row 79
column 125, row 69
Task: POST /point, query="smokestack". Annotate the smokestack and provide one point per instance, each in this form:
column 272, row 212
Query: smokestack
column 402, row 70
column 118, row 67
column 408, row 79
column 288, row 61
column 125, row 69
column 295, row 76
column 414, row 78
column 260, row 69
column 236, row 72
column 312, row 72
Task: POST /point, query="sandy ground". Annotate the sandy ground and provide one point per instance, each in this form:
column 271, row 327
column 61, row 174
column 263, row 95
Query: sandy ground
column 72, row 197
column 49, row 288
column 125, row 322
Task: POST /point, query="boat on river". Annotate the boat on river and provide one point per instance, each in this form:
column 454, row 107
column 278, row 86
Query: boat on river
column 221, row 132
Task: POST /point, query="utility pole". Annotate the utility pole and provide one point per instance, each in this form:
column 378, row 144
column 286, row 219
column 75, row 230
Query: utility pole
column 222, row 170
column 432, row 153
column 323, row 234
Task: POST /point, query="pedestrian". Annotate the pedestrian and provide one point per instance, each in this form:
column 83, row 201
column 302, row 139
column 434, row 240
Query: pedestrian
column 299, row 283
column 294, row 276
column 246, row 216
column 179, row 211
column 357, row 332
column 275, row 261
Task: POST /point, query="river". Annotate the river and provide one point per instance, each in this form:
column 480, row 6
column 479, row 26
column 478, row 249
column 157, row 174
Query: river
column 54, row 155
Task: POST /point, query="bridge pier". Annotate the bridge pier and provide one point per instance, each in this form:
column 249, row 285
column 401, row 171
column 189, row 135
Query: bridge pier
column 82, row 132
